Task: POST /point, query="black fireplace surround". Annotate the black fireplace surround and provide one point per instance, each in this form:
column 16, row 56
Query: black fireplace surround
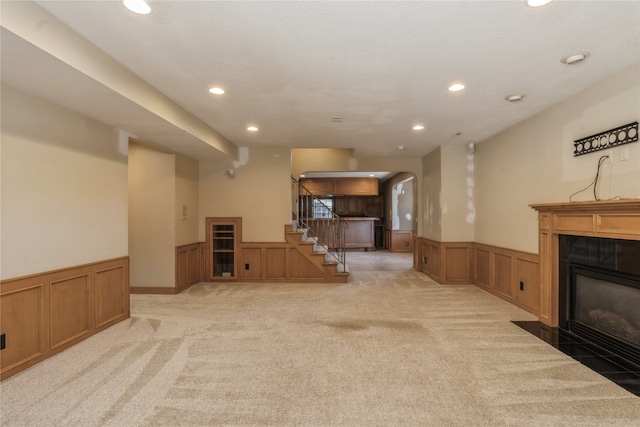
column 599, row 293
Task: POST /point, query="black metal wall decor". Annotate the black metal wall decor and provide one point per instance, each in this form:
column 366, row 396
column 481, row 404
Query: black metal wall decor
column 604, row 140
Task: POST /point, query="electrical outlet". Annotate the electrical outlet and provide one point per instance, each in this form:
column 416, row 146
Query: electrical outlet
column 3, row 341
column 624, row 153
column 609, row 154
column 246, row 266
column 522, row 286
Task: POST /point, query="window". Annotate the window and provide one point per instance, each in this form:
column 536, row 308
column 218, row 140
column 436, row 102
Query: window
column 323, row 208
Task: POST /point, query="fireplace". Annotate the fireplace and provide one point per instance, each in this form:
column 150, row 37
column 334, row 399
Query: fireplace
column 599, row 292
column 589, row 266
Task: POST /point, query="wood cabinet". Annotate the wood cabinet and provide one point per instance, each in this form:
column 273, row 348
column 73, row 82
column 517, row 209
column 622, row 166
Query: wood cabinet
column 340, row 205
column 369, row 206
column 340, row 186
column 374, row 206
column 359, row 233
column 318, row 187
column 223, row 240
column 356, row 186
column 349, row 205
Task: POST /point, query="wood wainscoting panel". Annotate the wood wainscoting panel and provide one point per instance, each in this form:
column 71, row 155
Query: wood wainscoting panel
column 189, row 267
column 494, row 269
column 417, row 253
column 482, row 266
column 431, row 259
column 303, row 269
column 251, row 264
column 502, row 271
column 45, row 313
column 291, row 261
column 435, row 261
column 448, row 263
column 400, row 240
column 276, row 261
column 22, row 317
column 182, row 269
column 70, row 309
column 527, row 282
column 111, row 295
column 425, row 255
column 457, row 262
column 194, row 263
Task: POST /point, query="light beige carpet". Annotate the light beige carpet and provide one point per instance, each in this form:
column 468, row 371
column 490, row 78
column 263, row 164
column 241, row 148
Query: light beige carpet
column 391, row 348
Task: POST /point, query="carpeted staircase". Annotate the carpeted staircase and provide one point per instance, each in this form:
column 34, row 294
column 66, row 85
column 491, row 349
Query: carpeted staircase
column 308, row 247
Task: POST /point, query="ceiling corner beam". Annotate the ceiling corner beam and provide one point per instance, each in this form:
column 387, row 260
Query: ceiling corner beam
column 37, row 26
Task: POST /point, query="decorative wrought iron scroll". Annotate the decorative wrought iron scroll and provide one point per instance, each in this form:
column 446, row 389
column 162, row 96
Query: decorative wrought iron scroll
column 604, row 140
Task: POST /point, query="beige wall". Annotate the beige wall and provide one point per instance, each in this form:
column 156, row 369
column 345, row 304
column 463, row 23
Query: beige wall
column 321, row 160
column 187, row 195
column 431, row 189
column 532, row 162
column 64, row 188
column 457, row 204
column 152, row 202
column 260, row 193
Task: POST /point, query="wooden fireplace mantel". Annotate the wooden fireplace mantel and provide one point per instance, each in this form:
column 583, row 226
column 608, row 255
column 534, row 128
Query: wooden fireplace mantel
column 616, row 219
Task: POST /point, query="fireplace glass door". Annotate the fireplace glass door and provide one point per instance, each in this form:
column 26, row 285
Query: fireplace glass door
column 608, row 304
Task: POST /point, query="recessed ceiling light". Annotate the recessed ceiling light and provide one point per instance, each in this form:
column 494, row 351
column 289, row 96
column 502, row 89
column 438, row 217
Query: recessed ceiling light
column 372, row 175
column 537, row 3
column 514, row 98
column 456, row 87
column 400, row 147
column 418, row 127
column 252, row 129
column 216, row 90
column 575, row 58
column 137, row 6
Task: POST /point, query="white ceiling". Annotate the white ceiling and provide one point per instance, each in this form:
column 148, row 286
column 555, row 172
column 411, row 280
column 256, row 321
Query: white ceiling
column 290, row 67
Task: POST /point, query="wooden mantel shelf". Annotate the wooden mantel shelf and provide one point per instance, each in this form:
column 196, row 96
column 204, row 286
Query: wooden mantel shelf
column 615, row 219
column 598, row 205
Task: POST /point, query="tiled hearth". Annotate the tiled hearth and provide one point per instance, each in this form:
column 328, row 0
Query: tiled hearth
column 616, row 369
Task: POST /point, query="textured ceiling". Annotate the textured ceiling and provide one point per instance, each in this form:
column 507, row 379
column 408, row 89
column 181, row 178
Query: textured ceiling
column 290, row 67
